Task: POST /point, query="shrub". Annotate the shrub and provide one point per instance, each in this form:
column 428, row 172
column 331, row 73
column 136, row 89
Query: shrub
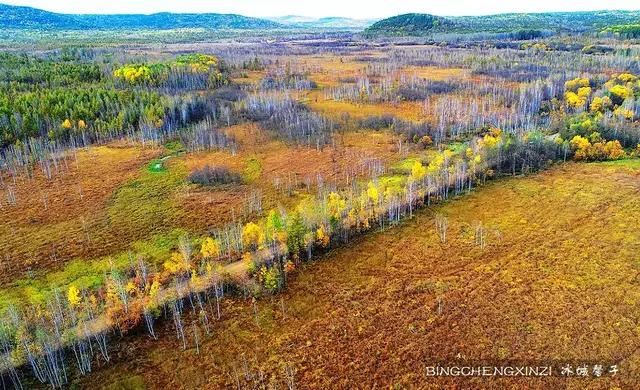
column 229, row 93
column 377, row 122
column 523, row 35
column 212, row 176
column 413, row 92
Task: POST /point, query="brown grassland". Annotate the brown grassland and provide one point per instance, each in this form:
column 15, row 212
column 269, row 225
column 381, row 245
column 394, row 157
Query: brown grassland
column 375, row 313
column 54, row 217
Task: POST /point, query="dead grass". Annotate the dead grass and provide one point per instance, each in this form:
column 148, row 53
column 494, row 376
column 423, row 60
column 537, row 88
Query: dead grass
column 337, row 109
column 557, row 283
column 48, row 224
column 282, row 171
column 437, row 74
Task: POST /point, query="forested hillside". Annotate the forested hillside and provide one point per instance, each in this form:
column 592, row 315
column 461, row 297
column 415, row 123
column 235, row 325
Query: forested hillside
column 422, row 24
column 31, row 18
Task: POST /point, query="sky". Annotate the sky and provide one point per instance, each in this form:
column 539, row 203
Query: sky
column 358, row 9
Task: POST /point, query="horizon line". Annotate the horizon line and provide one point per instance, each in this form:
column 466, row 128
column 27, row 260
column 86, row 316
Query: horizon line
column 322, row 16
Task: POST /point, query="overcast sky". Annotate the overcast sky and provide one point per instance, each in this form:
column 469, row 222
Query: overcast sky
column 351, row 8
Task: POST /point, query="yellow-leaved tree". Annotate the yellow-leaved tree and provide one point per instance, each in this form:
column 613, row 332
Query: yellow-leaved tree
column 322, row 237
column 210, row 248
column 252, row 236
column 73, row 296
column 372, row 192
column 175, row 264
column 335, row 207
column 418, row 171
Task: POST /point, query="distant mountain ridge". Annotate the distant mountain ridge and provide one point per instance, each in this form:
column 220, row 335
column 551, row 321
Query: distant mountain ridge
column 424, row 24
column 28, row 18
column 18, row 17
column 326, row 22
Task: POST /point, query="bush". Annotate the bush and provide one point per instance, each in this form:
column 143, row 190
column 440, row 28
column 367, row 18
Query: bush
column 230, row 93
column 524, row 35
column 377, row 122
column 212, row 176
column 597, row 49
column 422, row 91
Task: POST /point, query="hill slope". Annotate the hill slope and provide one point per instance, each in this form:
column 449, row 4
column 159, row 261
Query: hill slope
column 408, row 24
column 27, row 17
column 423, row 24
column 12, row 17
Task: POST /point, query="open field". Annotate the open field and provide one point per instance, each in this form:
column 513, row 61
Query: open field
column 376, row 313
column 67, row 217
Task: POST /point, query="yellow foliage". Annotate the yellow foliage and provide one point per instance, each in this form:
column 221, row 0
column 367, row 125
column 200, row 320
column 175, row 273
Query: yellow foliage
column 597, row 105
column 133, row 74
column 176, row 264
column 210, row 247
column 73, row 296
column 252, row 235
column 82, row 124
column 627, row 78
column 448, row 154
column 392, row 190
column 247, row 257
column 436, row 164
column 623, row 113
column 130, row 288
column 199, row 68
column 322, row 237
column 66, row 124
column 614, row 150
column 155, row 288
column 584, row 92
column 489, row 141
column 620, row 91
column 579, row 142
column 372, row 192
column 574, row 100
column 575, row 84
column 335, row 205
column 113, row 298
column 599, row 150
column 418, row 171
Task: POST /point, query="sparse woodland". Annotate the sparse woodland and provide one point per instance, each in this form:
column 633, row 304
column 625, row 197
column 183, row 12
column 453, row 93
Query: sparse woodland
column 139, row 191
